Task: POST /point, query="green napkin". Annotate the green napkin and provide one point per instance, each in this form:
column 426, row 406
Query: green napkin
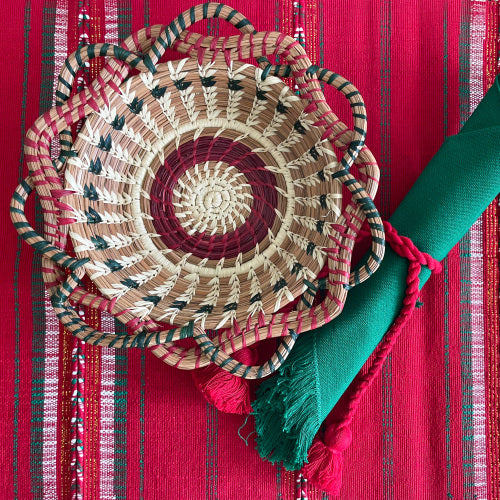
column 448, row 197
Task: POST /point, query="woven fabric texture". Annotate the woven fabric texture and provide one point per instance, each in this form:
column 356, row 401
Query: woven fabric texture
column 79, row 421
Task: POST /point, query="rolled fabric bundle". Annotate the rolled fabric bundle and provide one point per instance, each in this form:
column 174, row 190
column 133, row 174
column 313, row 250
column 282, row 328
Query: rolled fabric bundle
column 451, row 193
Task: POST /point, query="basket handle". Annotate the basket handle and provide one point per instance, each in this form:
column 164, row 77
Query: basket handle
column 209, row 10
column 60, row 293
column 24, row 229
column 217, row 356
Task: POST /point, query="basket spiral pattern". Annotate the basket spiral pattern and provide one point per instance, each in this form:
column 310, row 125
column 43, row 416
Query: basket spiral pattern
column 201, row 194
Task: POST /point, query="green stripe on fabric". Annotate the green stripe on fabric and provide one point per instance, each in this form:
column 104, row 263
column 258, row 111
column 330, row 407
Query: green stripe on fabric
column 279, row 482
column 447, row 389
column 278, row 467
column 37, row 283
column 211, row 452
column 464, row 61
column 146, row 11
column 324, row 495
column 385, row 183
column 446, row 283
column 83, row 27
column 387, row 430
column 124, row 10
column 124, row 17
column 213, row 27
column 466, row 368
column 465, row 284
column 142, row 428
column 385, row 108
column 17, row 262
column 120, row 427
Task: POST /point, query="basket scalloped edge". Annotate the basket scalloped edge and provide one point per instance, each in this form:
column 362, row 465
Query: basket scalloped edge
column 201, row 193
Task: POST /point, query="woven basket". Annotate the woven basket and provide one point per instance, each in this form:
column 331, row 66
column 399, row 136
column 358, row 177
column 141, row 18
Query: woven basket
column 201, row 194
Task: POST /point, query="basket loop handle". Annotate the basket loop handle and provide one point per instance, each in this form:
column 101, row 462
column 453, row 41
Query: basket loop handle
column 360, row 195
column 217, row 356
column 208, row 10
column 24, row 229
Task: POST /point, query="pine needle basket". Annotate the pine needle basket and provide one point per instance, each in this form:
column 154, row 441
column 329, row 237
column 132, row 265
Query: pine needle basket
column 202, row 197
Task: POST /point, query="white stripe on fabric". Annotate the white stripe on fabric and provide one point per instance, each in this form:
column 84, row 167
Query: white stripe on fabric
column 107, row 412
column 477, row 36
column 107, row 423
column 52, row 337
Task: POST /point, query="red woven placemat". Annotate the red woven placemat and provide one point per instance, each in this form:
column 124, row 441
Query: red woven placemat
column 85, row 422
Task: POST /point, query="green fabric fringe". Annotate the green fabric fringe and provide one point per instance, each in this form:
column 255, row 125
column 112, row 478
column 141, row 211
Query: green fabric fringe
column 287, row 410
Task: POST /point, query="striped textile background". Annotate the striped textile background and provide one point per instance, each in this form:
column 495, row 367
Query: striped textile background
column 79, row 421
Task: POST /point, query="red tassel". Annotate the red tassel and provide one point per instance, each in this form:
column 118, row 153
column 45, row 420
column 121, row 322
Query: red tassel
column 325, row 459
column 226, row 392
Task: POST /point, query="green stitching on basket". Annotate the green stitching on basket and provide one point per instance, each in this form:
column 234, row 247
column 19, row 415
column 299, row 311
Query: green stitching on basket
column 218, row 9
column 236, row 369
column 158, row 92
column 265, row 73
column 129, row 283
column 113, row 265
column 154, row 299
column 208, row 81
column 93, row 216
column 118, row 122
column 90, row 192
column 135, row 106
column 99, row 242
column 181, row 22
column 173, row 27
column 310, row 248
column 182, row 84
column 105, row 143
column 95, row 167
column 281, row 283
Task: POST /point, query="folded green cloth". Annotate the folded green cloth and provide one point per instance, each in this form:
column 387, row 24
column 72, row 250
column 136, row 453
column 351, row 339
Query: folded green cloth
column 448, row 197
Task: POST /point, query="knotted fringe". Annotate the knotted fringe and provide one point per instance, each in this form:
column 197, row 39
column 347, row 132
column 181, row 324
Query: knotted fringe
column 294, row 409
column 228, row 393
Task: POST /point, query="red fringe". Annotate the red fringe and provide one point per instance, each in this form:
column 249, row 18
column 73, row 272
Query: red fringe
column 325, row 459
column 228, row 393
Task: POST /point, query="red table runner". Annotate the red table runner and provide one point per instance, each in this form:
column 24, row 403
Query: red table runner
column 80, row 421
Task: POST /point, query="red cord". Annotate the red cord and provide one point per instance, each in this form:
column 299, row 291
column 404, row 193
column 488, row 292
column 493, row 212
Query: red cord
column 324, row 463
column 404, row 247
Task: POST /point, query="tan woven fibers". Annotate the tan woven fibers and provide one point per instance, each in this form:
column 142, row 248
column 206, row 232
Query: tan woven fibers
column 202, row 193
column 139, row 150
